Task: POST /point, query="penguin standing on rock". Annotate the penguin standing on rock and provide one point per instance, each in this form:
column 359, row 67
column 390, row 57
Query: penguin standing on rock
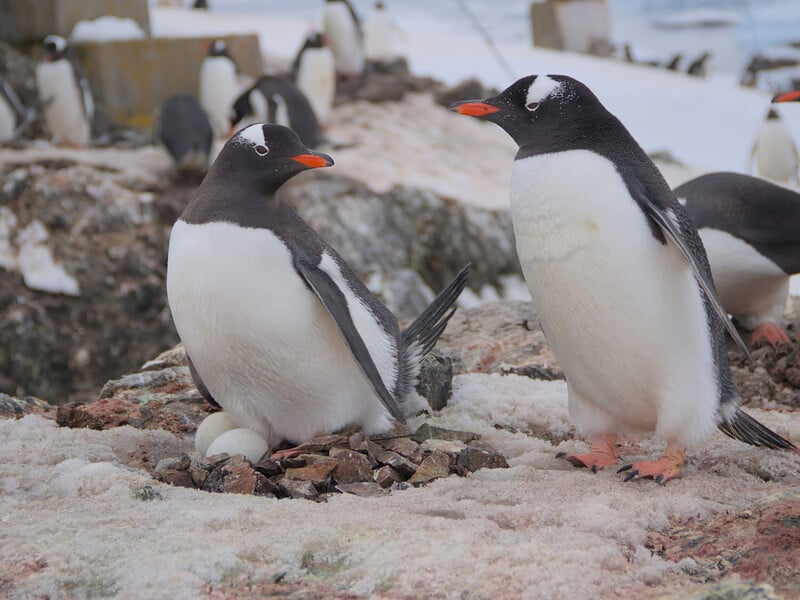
column 275, row 99
column 775, row 152
column 183, row 128
column 219, row 85
column 618, row 277
column 64, row 93
column 314, row 73
column 281, row 331
column 343, row 32
column 751, row 231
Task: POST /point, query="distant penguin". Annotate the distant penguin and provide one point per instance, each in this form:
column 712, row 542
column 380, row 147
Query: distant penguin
column 314, row 72
column 275, row 99
column 219, row 85
column 698, row 67
column 12, row 112
column 281, row 331
column 618, row 277
column 673, row 64
column 345, row 38
column 183, row 128
column 380, row 35
column 751, row 231
column 65, row 94
column 775, row 151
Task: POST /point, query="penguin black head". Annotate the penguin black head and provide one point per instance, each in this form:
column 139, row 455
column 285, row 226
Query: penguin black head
column 773, row 115
column 218, row 48
column 536, row 105
column 266, row 156
column 315, row 40
column 793, row 96
column 55, row 48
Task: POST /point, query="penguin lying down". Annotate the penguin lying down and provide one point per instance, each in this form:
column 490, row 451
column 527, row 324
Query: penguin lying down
column 619, row 278
column 281, row 332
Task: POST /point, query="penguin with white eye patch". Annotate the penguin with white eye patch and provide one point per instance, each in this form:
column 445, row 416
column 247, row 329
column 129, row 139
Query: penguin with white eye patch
column 281, row 332
column 618, row 277
column 65, row 94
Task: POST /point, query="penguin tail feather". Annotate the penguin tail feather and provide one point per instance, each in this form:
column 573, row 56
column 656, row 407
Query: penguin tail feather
column 741, row 426
column 420, row 337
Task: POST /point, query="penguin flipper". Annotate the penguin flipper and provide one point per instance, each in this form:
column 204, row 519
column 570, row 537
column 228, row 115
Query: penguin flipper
column 335, row 303
column 671, row 230
column 198, row 383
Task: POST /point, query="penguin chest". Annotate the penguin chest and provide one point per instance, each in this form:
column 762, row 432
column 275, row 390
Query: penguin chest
column 344, row 38
column 621, row 311
column 316, row 78
column 777, row 158
column 62, row 97
column 260, row 339
column 218, row 87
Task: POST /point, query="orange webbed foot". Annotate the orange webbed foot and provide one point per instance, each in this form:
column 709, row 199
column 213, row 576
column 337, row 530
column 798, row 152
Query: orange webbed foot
column 602, row 454
column 662, row 470
column 771, row 333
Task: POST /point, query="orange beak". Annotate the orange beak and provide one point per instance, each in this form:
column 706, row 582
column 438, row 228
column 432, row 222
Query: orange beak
column 788, row 97
column 473, row 108
column 313, row 160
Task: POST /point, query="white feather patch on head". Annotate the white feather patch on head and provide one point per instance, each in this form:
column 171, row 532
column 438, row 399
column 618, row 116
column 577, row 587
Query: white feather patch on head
column 59, row 42
column 542, row 87
column 254, row 134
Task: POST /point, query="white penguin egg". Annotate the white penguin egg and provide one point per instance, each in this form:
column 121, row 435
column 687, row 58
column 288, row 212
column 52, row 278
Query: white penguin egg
column 239, row 441
column 213, row 426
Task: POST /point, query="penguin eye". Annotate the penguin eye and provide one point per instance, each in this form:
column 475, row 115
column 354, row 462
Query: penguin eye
column 532, row 106
column 262, row 150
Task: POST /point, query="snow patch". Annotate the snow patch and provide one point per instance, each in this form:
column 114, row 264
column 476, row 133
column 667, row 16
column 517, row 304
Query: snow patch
column 106, row 29
column 39, row 269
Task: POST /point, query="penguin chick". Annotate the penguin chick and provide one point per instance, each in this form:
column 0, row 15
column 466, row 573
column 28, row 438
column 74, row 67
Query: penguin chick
column 751, row 231
column 281, row 332
column 619, row 279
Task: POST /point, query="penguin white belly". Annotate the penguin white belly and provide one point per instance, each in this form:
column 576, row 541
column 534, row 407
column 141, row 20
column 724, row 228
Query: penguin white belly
column 261, row 340
column 776, row 158
column 218, row 88
column 62, row 97
column 750, row 286
column 8, row 120
column 316, row 78
column 379, row 37
column 344, row 39
column 621, row 311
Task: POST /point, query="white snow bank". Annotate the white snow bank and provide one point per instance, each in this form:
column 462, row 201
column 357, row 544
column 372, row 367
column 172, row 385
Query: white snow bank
column 539, row 528
column 107, row 28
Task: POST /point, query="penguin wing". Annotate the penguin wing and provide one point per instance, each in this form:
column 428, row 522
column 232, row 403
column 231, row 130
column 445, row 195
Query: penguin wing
column 334, row 301
column 199, row 384
column 669, row 225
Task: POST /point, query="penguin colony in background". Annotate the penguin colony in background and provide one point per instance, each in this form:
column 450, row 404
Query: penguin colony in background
column 775, row 151
column 314, row 72
column 342, row 29
column 65, row 94
column 280, row 330
column 219, row 85
column 751, row 231
column 618, row 277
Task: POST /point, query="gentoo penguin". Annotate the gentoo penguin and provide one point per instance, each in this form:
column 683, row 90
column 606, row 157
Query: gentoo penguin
column 618, row 277
column 12, row 113
column 183, row 128
column 219, row 86
column 343, row 32
column 775, row 152
column 751, row 231
column 672, row 65
column 275, row 99
column 698, row 67
column 314, row 73
column 380, row 35
column 64, row 93
column 281, row 331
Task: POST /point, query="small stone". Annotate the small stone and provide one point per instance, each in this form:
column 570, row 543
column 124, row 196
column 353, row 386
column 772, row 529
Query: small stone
column 351, row 466
column 147, row 493
column 447, row 446
column 265, row 486
column 269, row 467
column 324, row 443
column 318, row 474
column 426, row 432
column 239, row 479
column 399, row 463
column 436, row 380
column 175, row 477
column 358, row 441
column 405, row 447
column 177, row 463
column 481, row 456
column 298, row 489
column 386, row 476
column 365, row 489
column 435, row 466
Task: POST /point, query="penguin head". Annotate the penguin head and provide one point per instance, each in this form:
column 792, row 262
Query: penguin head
column 55, row 47
column 218, row 48
column 534, row 106
column 315, row 40
column 266, row 155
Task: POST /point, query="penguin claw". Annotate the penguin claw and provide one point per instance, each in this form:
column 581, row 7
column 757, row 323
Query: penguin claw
column 560, row 454
column 631, row 475
column 769, row 333
column 624, row 468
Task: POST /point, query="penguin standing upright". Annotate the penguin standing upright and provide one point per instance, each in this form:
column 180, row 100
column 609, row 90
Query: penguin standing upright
column 751, row 231
column 698, row 67
column 775, row 151
column 219, row 85
column 64, row 93
column 275, row 99
column 618, row 277
column 12, row 112
column 183, row 128
column 380, row 35
column 343, row 33
column 280, row 330
column 314, row 73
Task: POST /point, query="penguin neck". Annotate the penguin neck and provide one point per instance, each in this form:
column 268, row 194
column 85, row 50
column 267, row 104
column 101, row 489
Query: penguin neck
column 238, row 203
column 580, row 134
